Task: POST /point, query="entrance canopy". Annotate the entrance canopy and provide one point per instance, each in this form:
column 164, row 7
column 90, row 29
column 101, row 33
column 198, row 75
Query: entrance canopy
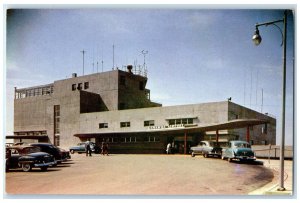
column 233, row 124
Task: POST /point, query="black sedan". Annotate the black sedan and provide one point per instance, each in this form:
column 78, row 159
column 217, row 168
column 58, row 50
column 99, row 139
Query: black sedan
column 27, row 157
column 58, row 154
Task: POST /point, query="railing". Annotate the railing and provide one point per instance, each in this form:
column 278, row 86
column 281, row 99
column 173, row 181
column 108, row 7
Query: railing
column 137, row 70
column 272, row 152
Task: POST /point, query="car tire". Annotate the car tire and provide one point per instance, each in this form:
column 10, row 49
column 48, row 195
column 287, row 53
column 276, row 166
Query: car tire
column 72, row 151
column 193, row 154
column 26, row 167
column 205, row 155
column 229, row 160
column 44, row 168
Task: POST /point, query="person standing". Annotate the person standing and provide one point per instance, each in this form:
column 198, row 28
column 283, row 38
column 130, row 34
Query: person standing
column 88, row 151
column 104, row 148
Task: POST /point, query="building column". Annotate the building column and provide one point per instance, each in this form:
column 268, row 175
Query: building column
column 217, row 136
column 185, row 140
column 248, row 134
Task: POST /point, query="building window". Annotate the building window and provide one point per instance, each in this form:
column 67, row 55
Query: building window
column 128, row 139
column 103, row 125
column 152, row 139
column 149, row 123
column 122, row 106
column 122, row 80
column 265, row 129
column 73, row 87
column 181, row 121
column 142, row 86
column 124, row 124
column 79, row 86
column 56, row 125
column 86, row 85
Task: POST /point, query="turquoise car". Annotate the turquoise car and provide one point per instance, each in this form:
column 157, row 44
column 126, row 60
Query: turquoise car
column 238, row 150
column 80, row 148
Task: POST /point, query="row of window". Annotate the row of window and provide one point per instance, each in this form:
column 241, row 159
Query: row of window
column 79, row 86
column 132, row 139
column 152, row 123
column 34, row 92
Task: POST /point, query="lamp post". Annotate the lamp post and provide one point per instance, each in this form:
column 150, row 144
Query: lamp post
column 257, row 40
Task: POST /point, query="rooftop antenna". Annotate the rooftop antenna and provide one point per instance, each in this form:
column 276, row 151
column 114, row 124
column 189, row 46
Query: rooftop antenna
column 144, row 53
column 102, row 61
column 83, row 61
column 262, row 100
column 93, row 60
column 113, row 56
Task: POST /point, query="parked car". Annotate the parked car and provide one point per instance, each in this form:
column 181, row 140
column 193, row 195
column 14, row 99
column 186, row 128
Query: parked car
column 65, row 153
column 239, row 150
column 206, row 148
column 27, row 157
column 58, row 155
column 80, row 148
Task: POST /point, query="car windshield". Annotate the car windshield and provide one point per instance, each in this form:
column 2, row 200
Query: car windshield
column 241, row 145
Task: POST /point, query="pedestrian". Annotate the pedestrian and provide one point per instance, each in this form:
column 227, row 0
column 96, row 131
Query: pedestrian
column 169, row 148
column 88, row 151
column 104, row 148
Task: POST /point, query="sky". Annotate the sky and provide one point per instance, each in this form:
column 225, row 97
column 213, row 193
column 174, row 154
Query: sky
column 194, row 54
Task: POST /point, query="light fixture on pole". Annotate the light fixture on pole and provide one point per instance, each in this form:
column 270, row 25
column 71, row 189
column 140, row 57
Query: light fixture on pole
column 257, row 40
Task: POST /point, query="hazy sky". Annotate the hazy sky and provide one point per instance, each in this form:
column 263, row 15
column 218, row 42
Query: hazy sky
column 194, row 55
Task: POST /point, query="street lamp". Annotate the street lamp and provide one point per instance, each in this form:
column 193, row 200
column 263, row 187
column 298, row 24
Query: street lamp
column 257, row 40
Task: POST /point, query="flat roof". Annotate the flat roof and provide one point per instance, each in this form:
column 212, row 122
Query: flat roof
column 233, row 124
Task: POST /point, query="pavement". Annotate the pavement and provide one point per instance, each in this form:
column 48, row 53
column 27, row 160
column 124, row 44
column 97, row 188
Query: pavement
column 272, row 188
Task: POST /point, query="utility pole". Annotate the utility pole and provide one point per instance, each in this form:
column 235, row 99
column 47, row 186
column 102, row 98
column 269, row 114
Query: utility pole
column 83, row 61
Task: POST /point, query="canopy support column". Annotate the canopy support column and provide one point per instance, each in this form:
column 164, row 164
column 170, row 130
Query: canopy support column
column 248, row 134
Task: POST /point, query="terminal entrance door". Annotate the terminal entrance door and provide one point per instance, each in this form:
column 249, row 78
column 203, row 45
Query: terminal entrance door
column 179, row 143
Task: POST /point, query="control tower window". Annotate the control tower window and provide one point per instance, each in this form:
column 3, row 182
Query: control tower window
column 142, row 85
column 86, row 85
column 122, row 80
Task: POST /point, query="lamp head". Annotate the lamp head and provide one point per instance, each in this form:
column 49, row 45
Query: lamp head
column 256, row 37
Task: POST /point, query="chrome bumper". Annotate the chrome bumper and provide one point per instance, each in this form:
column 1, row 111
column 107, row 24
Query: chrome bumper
column 45, row 164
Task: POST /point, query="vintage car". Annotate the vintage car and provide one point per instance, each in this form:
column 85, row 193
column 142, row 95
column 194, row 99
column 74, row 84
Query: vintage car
column 65, row 153
column 206, row 148
column 238, row 150
column 80, row 148
column 58, row 154
column 27, row 157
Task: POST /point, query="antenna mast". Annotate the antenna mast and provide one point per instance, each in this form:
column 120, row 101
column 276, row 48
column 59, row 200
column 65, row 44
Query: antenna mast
column 113, row 56
column 144, row 53
column 83, row 61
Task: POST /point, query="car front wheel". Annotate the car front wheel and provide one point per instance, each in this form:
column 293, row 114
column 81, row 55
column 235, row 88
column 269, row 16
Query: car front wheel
column 193, row 154
column 72, row 151
column 26, row 167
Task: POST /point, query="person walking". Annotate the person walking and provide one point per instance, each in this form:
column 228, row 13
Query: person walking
column 169, row 148
column 104, row 148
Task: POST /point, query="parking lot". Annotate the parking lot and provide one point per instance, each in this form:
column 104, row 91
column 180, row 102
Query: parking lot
column 120, row 174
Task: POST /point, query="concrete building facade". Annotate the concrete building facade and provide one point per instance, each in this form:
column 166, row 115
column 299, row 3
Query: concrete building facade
column 115, row 106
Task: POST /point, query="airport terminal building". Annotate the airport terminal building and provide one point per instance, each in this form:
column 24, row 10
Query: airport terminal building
column 115, row 106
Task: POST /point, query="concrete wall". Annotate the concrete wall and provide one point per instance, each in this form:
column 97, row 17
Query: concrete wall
column 207, row 113
column 30, row 113
column 256, row 133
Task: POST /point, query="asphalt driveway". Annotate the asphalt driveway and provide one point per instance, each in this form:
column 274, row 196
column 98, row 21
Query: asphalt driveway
column 120, row 174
